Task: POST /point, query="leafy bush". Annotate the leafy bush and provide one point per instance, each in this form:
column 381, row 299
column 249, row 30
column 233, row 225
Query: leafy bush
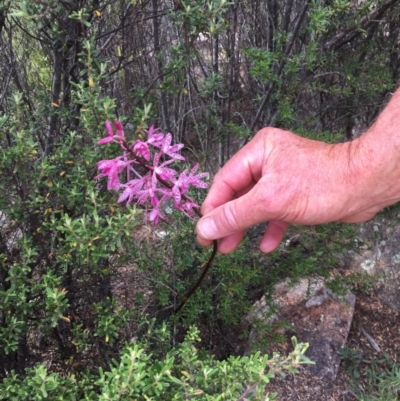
column 183, row 373
column 64, row 240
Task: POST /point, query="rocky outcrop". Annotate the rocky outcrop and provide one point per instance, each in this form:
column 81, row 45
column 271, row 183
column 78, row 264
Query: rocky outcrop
column 323, row 319
column 317, row 316
column 379, row 256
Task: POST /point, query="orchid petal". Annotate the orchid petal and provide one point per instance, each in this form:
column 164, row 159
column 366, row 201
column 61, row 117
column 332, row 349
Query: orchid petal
column 105, row 140
column 120, row 129
column 109, row 128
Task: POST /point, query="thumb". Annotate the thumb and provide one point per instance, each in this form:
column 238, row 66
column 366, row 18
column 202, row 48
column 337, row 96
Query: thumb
column 232, row 217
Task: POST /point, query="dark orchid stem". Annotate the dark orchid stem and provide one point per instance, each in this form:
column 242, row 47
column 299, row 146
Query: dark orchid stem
column 200, row 279
column 168, row 185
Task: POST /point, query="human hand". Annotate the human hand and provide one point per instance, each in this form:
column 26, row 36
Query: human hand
column 283, row 178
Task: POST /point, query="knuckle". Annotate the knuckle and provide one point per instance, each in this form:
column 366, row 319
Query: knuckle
column 217, row 177
column 274, row 135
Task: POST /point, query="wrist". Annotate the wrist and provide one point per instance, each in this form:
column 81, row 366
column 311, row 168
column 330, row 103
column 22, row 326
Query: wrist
column 374, row 166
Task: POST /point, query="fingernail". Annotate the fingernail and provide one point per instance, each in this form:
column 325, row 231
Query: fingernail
column 207, row 228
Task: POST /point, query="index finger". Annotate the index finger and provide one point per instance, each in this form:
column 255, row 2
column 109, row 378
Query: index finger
column 237, row 176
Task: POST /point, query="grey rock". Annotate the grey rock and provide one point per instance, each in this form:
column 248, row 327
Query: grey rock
column 381, row 260
column 318, row 317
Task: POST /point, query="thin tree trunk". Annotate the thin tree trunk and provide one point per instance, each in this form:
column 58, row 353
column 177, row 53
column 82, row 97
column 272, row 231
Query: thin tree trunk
column 55, row 96
column 279, row 71
column 157, row 51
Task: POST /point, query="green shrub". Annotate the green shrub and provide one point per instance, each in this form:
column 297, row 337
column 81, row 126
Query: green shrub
column 183, row 373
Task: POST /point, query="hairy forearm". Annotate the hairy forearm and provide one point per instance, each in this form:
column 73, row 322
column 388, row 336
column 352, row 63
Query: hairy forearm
column 378, row 157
